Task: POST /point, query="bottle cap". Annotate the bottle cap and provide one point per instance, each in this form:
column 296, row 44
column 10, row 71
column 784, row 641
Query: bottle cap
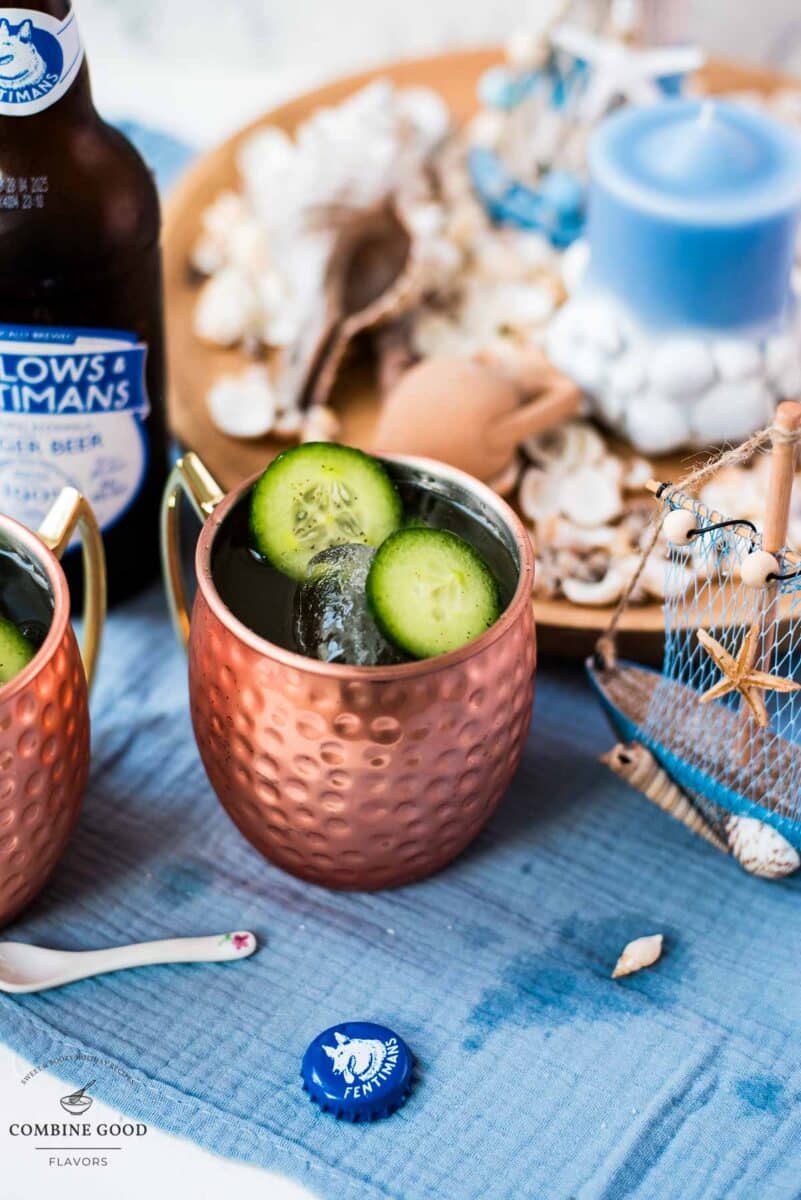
column 358, row 1071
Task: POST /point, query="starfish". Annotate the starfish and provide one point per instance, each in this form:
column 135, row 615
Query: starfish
column 740, row 676
column 618, row 71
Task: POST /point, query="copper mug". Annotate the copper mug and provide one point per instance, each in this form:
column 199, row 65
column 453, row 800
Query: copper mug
column 346, row 776
column 44, row 715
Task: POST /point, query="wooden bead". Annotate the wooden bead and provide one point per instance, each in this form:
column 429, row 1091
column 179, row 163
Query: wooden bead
column 679, row 526
column 756, row 567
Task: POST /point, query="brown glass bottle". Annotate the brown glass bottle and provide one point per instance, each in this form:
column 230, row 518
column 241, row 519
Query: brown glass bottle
column 80, row 270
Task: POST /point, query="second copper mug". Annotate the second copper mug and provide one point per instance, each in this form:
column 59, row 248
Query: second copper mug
column 44, row 714
column 353, row 776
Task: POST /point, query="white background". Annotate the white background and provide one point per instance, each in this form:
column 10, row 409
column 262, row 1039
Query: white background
column 199, row 68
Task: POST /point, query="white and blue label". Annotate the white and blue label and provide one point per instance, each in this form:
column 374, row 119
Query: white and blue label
column 72, row 408
column 39, row 58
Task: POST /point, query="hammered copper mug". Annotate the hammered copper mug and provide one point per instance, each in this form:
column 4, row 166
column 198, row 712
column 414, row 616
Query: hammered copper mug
column 44, row 716
column 353, row 777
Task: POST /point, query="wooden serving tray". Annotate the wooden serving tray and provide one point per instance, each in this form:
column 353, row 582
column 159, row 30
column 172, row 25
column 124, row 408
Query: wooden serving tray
column 564, row 629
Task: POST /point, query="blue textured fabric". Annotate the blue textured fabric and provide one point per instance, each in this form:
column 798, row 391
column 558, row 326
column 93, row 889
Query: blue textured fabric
column 539, row 1077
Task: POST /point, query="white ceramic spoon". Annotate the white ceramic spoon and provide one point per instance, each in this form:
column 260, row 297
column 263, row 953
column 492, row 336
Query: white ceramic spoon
column 26, row 968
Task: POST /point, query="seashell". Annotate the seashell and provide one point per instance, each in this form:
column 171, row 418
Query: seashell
column 211, row 251
column 637, row 765
column 491, row 309
column 760, row 849
column 600, row 593
column 664, row 580
column 527, row 49
column 288, row 424
column 574, row 263
column 731, row 411
column 437, row 336
column 681, row 367
column 466, row 220
column 642, row 952
column 563, row 534
column 243, row 405
column 589, row 497
column 538, row 496
column 637, row 472
column 427, row 112
column 227, row 309
column 320, row 424
column 654, row 425
column 572, row 445
column 487, row 128
column 736, row 359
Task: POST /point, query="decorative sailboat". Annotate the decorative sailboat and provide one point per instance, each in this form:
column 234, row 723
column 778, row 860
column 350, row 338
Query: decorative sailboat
column 715, row 737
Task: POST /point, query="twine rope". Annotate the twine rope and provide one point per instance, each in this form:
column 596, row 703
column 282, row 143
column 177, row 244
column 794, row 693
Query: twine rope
column 606, row 646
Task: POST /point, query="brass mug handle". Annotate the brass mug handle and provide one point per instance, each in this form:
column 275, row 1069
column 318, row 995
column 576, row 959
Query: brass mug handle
column 72, row 511
column 191, row 477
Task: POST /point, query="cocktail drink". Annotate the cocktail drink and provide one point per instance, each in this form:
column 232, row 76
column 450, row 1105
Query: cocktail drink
column 44, row 684
column 26, row 609
column 361, row 657
column 338, row 557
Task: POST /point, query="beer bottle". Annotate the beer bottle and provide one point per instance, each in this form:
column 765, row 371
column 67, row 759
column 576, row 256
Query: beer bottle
column 81, row 328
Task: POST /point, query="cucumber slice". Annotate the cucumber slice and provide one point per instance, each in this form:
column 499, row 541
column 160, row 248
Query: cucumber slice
column 431, row 592
column 320, row 495
column 15, row 651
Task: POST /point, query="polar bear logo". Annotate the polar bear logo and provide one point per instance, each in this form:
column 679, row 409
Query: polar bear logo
column 21, row 64
column 356, row 1058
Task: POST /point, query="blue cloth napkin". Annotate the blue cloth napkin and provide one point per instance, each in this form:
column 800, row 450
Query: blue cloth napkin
column 538, row 1075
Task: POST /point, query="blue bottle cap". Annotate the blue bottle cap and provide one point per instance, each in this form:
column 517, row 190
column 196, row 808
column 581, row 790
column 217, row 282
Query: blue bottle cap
column 358, row 1071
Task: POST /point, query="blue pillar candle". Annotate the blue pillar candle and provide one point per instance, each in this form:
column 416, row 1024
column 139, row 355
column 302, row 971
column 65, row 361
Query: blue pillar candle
column 693, row 211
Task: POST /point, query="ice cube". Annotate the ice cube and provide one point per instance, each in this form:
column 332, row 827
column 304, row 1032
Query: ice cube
column 332, row 620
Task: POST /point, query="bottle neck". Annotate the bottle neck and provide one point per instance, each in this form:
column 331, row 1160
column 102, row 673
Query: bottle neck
column 45, row 78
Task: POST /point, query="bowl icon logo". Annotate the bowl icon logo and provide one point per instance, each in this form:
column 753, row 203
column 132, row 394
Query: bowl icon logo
column 78, row 1102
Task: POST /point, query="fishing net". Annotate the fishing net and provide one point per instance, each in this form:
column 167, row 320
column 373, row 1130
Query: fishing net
column 716, row 750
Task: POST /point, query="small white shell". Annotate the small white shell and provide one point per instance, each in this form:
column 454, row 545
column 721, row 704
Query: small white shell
column 636, row 474
column 227, row 309
column 642, row 952
column 243, row 405
column 760, row 849
column 321, row 424
column 564, row 535
column 597, row 594
column 756, row 567
column 661, row 580
column 575, row 261
column 568, row 446
column 589, row 497
column 539, row 494
column 681, row 367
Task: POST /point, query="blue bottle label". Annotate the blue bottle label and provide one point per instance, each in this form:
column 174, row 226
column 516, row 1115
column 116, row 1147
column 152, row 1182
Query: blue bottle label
column 72, row 409
column 39, row 58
